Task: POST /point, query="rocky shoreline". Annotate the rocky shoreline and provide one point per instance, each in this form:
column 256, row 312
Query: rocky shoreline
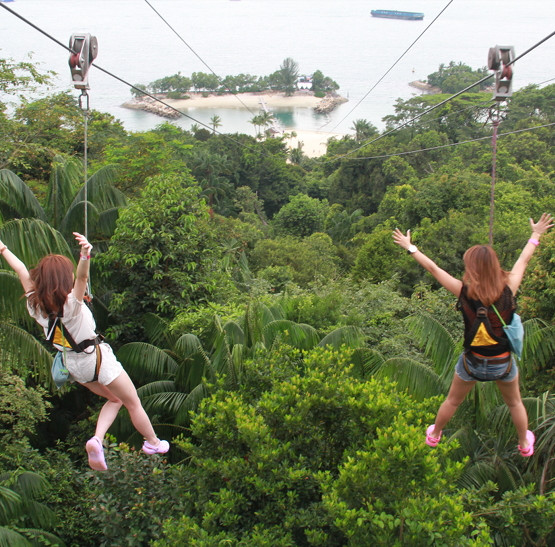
column 423, row 86
column 148, row 104
column 329, row 103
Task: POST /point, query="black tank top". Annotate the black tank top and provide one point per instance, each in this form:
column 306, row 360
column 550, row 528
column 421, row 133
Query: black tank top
column 489, row 339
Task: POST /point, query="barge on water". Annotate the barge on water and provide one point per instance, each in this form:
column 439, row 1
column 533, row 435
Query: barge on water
column 393, row 14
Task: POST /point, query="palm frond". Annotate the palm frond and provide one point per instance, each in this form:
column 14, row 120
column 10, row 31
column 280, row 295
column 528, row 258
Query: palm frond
column 18, row 196
column 12, row 303
column 419, row 380
column 26, row 349
column 348, row 335
column 234, row 333
column 146, row 362
column 30, row 239
column 65, row 174
column 106, row 223
column 30, row 484
column 9, row 504
column 100, row 190
column 166, row 403
column 294, row 334
column 153, row 388
column 191, row 372
column 191, row 403
column 538, row 347
column 436, row 341
column 11, row 538
column 366, row 362
column 157, row 330
column 477, row 474
column 74, row 218
column 40, row 514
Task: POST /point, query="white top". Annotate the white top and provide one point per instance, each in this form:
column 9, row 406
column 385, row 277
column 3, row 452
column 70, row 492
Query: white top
column 78, row 320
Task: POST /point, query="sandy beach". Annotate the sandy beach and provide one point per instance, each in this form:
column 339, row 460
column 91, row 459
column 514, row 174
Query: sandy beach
column 315, row 143
column 245, row 100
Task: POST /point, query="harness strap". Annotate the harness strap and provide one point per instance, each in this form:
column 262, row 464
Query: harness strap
column 98, row 362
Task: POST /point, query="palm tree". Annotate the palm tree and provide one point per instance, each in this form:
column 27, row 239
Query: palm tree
column 289, row 72
column 32, row 231
column 174, row 380
column 215, row 121
column 363, row 129
column 18, row 507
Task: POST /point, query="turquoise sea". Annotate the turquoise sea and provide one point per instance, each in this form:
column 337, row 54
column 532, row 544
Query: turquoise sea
column 254, row 36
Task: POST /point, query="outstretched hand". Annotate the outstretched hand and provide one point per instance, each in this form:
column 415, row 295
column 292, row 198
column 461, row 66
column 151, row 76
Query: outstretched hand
column 86, row 247
column 401, row 239
column 540, row 227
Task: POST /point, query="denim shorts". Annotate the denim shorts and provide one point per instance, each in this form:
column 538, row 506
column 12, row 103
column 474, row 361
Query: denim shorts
column 485, row 372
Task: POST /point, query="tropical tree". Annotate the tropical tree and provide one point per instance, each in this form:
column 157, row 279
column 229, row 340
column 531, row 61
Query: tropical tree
column 23, row 519
column 66, row 199
column 174, row 380
column 364, row 129
column 215, row 122
column 289, row 72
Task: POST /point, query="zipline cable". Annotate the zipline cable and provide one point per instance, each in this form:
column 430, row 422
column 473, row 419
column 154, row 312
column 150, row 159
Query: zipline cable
column 107, row 72
column 452, row 144
column 390, row 68
column 438, row 104
column 196, row 54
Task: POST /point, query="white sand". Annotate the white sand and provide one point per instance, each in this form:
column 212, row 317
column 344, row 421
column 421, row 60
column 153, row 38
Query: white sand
column 244, row 100
column 314, row 142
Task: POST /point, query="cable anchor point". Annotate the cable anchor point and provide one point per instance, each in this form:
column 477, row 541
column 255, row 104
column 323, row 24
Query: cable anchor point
column 84, row 49
column 500, row 60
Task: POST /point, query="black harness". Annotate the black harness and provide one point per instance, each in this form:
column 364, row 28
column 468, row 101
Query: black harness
column 77, row 348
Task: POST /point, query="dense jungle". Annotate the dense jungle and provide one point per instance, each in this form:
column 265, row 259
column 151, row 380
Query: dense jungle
column 290, row 352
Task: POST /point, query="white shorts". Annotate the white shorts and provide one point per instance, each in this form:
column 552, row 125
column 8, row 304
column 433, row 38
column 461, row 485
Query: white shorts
column 82, row 366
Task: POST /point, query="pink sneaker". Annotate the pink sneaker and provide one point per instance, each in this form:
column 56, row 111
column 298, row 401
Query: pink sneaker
column 527, row 452
column 95, row 450
column 162, row 448
column 432, row 441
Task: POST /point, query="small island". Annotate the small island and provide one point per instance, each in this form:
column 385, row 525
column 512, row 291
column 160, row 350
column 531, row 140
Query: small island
column 283, row 88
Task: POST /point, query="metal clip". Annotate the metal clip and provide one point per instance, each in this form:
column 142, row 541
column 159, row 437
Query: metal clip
column 84, row 49
column 500, row 59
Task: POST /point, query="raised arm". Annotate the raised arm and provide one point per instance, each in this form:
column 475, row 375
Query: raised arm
column 538, row 229
column 82, row 274
column 446, row 280
column 17, row 266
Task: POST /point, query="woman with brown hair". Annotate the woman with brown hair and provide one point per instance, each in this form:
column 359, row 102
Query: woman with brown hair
column 485, row 287
column 54, row 295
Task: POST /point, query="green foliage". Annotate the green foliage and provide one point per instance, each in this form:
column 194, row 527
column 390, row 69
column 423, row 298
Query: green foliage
column 301, row 217
column 457, row 76
column 129, row 502
column 22, row 409
column 302, row 261
column 260, row 467
column 161, row 257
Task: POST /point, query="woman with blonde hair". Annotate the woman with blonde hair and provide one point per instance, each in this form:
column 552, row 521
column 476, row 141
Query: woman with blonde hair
column 486, row 299
column 54, row 295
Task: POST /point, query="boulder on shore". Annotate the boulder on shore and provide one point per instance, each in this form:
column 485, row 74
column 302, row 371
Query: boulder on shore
column 328, row 103
column 148, row 104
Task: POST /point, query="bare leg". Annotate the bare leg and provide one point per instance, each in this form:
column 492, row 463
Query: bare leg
column 458, row 391
column 108, row 412
column 511, row 395
column 123, row 388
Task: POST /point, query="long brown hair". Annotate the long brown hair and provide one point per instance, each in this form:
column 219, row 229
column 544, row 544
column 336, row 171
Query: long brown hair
column 53, row 281
column 483, row 274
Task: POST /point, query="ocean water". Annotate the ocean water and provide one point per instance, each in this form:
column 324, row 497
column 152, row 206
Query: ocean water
column 359, row 52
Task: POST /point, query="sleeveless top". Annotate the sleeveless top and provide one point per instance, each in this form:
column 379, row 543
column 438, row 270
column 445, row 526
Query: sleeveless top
column 486, row 337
